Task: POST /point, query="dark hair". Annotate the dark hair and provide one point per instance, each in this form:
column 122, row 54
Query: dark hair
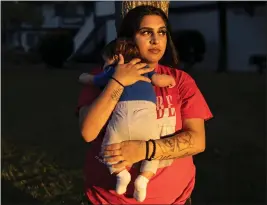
column 127, row 48
column 131, row 24
column 124, row 46
column 109, row 50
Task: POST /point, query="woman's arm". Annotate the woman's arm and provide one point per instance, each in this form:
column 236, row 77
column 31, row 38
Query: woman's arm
column 188, row 142
column 100, row 110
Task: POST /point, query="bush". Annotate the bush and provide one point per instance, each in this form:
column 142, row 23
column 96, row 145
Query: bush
column 55, row 48
column 190, row 45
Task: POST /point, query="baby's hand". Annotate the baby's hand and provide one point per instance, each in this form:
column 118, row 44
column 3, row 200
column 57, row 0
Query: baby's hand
column 163, row 80
column 172, row 82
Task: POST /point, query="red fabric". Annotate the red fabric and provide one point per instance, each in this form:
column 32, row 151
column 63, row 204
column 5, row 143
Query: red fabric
column 88, row 93
column 171, row 185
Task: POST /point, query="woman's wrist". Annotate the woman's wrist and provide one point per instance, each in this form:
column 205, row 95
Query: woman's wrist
column 148, row 149
column 118, row 79
column 113, row 78
column 114, row 89
column 152, row 149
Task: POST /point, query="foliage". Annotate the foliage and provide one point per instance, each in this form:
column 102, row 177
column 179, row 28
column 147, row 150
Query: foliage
column 191, row 47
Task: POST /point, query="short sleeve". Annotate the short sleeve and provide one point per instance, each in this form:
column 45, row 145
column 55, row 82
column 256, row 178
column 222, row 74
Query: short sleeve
column 193, row 104
column 102, row 79
column 150, row 74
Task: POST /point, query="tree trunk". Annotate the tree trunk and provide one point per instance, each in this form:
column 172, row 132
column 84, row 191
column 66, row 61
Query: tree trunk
column 118, row 15
column 222, row 62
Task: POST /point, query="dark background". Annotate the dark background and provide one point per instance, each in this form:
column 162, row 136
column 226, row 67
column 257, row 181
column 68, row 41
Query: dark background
column 43, row 152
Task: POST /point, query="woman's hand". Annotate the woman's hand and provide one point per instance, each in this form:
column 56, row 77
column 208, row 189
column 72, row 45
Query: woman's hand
column 126, row 153
column 130, row 73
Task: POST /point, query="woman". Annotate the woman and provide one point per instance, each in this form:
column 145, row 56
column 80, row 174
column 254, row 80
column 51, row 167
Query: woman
column 181, row 111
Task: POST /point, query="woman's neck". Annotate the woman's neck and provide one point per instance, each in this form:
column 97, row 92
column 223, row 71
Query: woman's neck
column 153, row 65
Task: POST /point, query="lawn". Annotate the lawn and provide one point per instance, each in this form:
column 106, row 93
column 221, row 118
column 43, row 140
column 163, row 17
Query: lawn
column 43, row 153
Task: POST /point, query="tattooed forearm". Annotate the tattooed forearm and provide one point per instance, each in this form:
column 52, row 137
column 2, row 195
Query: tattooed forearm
column 116, row 94
column 164, row 157
column 178, row 146
column 180, row 142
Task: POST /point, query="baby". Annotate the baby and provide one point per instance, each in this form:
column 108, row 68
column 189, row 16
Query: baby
column 134, row 117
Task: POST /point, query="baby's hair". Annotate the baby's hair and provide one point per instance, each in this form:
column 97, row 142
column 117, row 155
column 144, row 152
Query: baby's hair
column 123, row 46
column 109, row 49
column 127, row 48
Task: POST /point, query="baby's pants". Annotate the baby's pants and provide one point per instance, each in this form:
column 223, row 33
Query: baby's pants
column 134, row 120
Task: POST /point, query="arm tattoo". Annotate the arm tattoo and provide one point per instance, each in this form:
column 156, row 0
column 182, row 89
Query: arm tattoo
column 116, row 94
column 176, row 147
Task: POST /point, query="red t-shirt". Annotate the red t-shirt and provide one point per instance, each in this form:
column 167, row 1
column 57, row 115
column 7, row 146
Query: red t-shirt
column 172, row 184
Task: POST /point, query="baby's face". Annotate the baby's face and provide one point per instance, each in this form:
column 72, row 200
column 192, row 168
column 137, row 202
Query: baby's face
column 108, row 61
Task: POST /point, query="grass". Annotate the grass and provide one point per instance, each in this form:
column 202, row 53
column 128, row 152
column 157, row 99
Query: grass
column 43, row 153
column 33, row 172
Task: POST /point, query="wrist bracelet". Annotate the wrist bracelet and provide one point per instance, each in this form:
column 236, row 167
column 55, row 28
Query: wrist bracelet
column 147, row 150
column 117, row 81
column 154, row 150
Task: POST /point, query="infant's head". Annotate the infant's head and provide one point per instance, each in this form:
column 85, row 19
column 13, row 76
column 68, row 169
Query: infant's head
column 125, row 47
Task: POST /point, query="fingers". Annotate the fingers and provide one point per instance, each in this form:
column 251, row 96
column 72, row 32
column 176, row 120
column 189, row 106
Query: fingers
column 121, row 164
column 113, row 160
column 121, row 59
column 145, row 70
column 140, row 66
column 135, row 61
column 112, row 147
column 173, row 84
column 143, row 78
column 111, row 153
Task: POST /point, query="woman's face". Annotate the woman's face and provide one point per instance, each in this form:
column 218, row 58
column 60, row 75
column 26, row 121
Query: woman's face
column 151, row 38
